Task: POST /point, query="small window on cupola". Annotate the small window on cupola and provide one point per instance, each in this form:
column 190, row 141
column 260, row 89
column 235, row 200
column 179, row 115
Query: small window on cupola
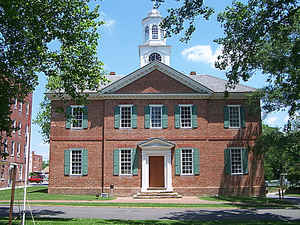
column 154, row 56
column 147, row 33
column 154, row 32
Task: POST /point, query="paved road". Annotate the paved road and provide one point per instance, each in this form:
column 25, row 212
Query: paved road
column 159, row 213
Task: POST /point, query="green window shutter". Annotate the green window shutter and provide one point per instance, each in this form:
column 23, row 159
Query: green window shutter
column 164, row 117
column 177, row 161
column 84, row 154
column 177, row 116
column 196, row 161
column 243, row 117
column 117, row 116
column 245, row 160
column 147, row 117
column 116, row 162
column 134, row 162
column 67, row 162
column 227, row 161
column 226, row 117
column 68, row 117
column 85, row 117
column 194, row 117
column 134, row 117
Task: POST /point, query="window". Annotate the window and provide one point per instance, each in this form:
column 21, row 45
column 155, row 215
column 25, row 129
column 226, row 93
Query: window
column 156, row 116
column 162, row 34
column 154, row 56
column 185, row 116
column 77, row 117
column 234, row 116
column 18, row 149
column 76, row 162
column 27, row 108
column 26, row 130
column 19, row 128
column 14, row 126
column 12, row 148
column 20, row 107
column 154, row 32
column 147, row 33
column 16, row 104
column 20, row 172
column 126, row 114
column 2, row 171
column 187, row 162
column 5, row 146
column 236, row 161
column 125, row 162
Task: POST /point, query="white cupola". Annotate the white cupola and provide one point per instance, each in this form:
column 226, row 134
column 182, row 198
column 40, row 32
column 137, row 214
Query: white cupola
column 154, row 46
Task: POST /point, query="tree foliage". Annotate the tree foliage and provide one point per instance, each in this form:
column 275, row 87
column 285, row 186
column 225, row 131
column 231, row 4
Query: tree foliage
column 28, row 29
column 259, row 36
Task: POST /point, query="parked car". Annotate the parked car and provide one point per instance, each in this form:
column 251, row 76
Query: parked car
column 35, row 179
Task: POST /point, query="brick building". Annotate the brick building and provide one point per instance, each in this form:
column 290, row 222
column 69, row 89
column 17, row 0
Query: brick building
column 156, row 129
column 36, row 162
column 17, row 144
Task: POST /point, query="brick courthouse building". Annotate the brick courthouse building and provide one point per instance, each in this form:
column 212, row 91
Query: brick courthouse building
column 156, row 129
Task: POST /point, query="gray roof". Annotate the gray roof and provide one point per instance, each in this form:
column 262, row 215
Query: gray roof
column 213, row 83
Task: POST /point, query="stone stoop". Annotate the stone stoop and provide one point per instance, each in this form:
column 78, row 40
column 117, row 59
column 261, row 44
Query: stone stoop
column 156, row 195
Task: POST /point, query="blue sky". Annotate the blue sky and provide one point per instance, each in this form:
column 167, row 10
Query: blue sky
column 118, row 50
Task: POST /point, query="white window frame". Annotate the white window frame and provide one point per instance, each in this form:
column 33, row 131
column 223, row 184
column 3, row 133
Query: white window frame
column 16, row 104
column 12, row 154
column 21, row 106
column 18, row 149
column 71, row 162
column 120, row 160
column 20, row 172
column 191, row 114
column 27, row 108
column 181, row 166
column 2, row 172
column 161, row 116
column 241, row 149
column 72, row 117
column 19, row 128
column 14, row 126
column 239, row 117
column 5, row 142
column 154, row 33
column 125, row 106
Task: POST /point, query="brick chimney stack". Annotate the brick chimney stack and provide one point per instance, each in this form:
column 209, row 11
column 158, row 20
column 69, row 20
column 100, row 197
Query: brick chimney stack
column 192, row 73
column 112, row 73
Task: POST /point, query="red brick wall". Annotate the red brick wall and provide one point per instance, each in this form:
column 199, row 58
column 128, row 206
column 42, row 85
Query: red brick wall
column 155, row 82
column 210, row 138
column 37, row 162
column 25, row 120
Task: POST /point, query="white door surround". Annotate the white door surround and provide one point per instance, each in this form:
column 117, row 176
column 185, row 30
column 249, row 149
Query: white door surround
column 156, row 147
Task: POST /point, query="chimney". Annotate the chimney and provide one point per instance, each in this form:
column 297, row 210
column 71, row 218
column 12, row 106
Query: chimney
column 192, row 73
column 112, row 73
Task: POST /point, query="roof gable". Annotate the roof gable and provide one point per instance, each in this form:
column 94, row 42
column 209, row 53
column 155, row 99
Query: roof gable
column 190, row 85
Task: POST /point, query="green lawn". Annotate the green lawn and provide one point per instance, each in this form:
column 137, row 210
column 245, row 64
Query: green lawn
column 48, row 221
column 41, row 193
column 257, row 202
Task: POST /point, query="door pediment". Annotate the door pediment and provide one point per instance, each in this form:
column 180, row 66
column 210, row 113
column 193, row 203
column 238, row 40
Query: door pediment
column 156, row 143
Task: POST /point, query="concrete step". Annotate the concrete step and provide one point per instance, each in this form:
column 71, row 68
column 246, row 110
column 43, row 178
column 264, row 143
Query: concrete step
column 156, row 195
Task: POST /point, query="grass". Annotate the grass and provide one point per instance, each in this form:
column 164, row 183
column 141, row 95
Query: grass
column 248, row 202
column 41, row 193
column 133, row 205
column 292, row 195
column 48, row 221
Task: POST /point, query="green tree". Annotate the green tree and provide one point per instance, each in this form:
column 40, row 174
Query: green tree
column 27, row 30
column 259, row 36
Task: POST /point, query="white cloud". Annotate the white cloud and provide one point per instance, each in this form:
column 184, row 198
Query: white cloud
column 202, row 53
column 271, row 121
column 109, row 23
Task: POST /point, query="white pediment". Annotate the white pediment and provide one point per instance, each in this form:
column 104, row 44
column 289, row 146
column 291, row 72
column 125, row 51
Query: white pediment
column 156, row 144
column 156, row 65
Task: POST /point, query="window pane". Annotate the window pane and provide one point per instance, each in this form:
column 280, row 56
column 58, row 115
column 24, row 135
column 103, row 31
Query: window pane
column 187, row 161
column 234, row 116
column 126, row 116
column 76, row 162
column 236, row 161
column 125, row 161
column 154, row 32
column 186, row 116
column 154, row 56
column 156, row 116
column 77, row 117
